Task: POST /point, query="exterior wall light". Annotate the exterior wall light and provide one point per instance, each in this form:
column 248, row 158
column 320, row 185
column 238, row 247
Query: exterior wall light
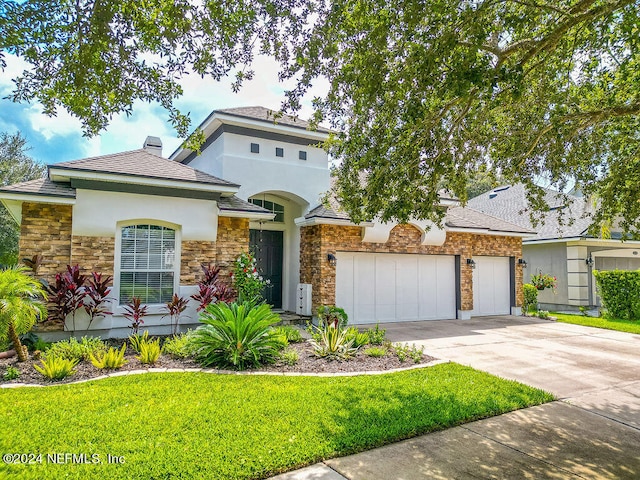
column 331, row 258
column 589, row 261
column 522, row 262
column 471, row 262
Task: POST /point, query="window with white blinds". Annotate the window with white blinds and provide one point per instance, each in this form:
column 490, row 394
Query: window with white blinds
column 147, row 263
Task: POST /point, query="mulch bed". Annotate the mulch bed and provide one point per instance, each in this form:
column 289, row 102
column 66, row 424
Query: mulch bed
column 307, row 363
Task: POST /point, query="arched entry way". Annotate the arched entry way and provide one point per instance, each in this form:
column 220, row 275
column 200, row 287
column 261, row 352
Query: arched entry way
column 276, row 245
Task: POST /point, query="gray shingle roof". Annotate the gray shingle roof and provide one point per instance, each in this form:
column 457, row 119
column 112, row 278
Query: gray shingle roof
column 465, row 217
column 266, row 114
column 457, row 217
column 235, row 204
column 140, row 163
column 566, row 219
column 41, row 186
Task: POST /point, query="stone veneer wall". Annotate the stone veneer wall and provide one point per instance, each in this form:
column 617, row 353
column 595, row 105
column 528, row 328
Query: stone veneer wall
column 92, row 254
column 317, row 241
column 46, row 231
column 233, row 238
column 193, row 254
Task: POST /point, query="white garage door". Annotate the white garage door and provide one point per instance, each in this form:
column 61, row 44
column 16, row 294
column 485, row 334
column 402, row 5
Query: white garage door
column 491, row 286
column 379, row 287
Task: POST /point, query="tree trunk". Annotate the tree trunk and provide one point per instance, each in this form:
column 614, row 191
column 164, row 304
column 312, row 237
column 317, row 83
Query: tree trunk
column 21, row 350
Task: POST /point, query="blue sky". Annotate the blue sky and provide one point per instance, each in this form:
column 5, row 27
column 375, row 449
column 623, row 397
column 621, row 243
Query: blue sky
column 60, row 138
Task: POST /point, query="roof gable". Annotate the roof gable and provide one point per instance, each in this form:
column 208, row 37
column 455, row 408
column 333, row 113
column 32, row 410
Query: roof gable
column 137, row 164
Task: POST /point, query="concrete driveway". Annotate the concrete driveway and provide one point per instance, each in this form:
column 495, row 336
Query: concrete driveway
column 596, row 369
column 591, row 432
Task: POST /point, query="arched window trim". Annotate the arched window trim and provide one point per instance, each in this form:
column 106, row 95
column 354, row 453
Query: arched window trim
column 153, row 307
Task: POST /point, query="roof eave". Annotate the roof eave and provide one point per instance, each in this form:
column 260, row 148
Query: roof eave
column 305, row 222
column 217, row 118
column 259, row 216
column 65, row 174
column 486, row 231
column 37, row 197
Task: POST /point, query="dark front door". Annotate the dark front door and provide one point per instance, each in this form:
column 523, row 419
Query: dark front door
column 267, row 247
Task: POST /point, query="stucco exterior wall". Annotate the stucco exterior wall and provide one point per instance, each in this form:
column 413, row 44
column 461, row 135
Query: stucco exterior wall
column 549, row 258
column 320, row 240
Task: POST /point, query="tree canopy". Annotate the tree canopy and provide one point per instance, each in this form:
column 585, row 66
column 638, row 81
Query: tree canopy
column 15, row 166
column 422, row 93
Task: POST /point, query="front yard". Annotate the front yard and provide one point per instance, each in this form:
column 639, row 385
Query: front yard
column 197, row 425
column 629, row 326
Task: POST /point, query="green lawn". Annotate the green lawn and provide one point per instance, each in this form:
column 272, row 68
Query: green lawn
column 620, row 325
column 196, row 425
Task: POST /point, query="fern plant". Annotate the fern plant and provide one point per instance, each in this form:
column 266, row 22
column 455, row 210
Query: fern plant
column 136, row 340
column 111, row 359
column 56, row 368
column 149, row 352
column 236, row 335
column 179, row 346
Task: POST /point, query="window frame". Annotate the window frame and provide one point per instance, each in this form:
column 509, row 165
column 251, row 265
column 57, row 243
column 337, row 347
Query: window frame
column 153, row 308
column 272, row 210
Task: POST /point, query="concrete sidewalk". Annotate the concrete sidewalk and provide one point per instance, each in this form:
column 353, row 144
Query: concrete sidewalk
column 593, row 432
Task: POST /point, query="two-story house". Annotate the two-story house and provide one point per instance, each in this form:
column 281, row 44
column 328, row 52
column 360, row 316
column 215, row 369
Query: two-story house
column 150, row 222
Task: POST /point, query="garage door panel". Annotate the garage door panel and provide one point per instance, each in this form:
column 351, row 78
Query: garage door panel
column 385, row 287
column 364, row 293
column 408, row 291
column 396, row 287
column 445, row 284
column 491, row 286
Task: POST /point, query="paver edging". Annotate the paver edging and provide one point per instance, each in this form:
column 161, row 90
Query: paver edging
column 231, row 372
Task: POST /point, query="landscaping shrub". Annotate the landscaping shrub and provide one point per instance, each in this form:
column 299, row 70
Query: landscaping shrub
column 174, row 309
column 333, row 343
column 237, row 335
column 138, row 339
column 111, row 359
column 149, row 352
column 530, row 298
column 620, row 293
column 375, row 352
column 211, row 289
column 290, row 357
column 331, row 314
column 409, row 351
column 20, row 307
column 11, row 373
column 134, row 311
column 376, row 335
column 72, row 349
column 292, row 334
column 56, row 368
column 359, row 339
column 247, row 280
column 179, row 346
column 543, row 314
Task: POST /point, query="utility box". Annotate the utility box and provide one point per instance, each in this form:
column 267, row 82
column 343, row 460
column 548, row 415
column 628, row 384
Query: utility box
column 303, row 299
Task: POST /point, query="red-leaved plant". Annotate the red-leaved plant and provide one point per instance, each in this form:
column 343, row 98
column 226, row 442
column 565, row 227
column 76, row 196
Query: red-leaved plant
column 134, row 312
column 97, row 292
column 175, row 307
column 211, row 289
column 66, row 295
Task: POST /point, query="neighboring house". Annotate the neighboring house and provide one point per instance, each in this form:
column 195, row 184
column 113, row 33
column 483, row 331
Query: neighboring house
column 151, row 221
column 561, row 248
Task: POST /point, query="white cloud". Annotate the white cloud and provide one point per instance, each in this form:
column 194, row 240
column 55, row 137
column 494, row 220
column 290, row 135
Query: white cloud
column 201, row 96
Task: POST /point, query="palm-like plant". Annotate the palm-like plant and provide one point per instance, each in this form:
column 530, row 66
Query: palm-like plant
column 236, row 335
column 21, row 304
